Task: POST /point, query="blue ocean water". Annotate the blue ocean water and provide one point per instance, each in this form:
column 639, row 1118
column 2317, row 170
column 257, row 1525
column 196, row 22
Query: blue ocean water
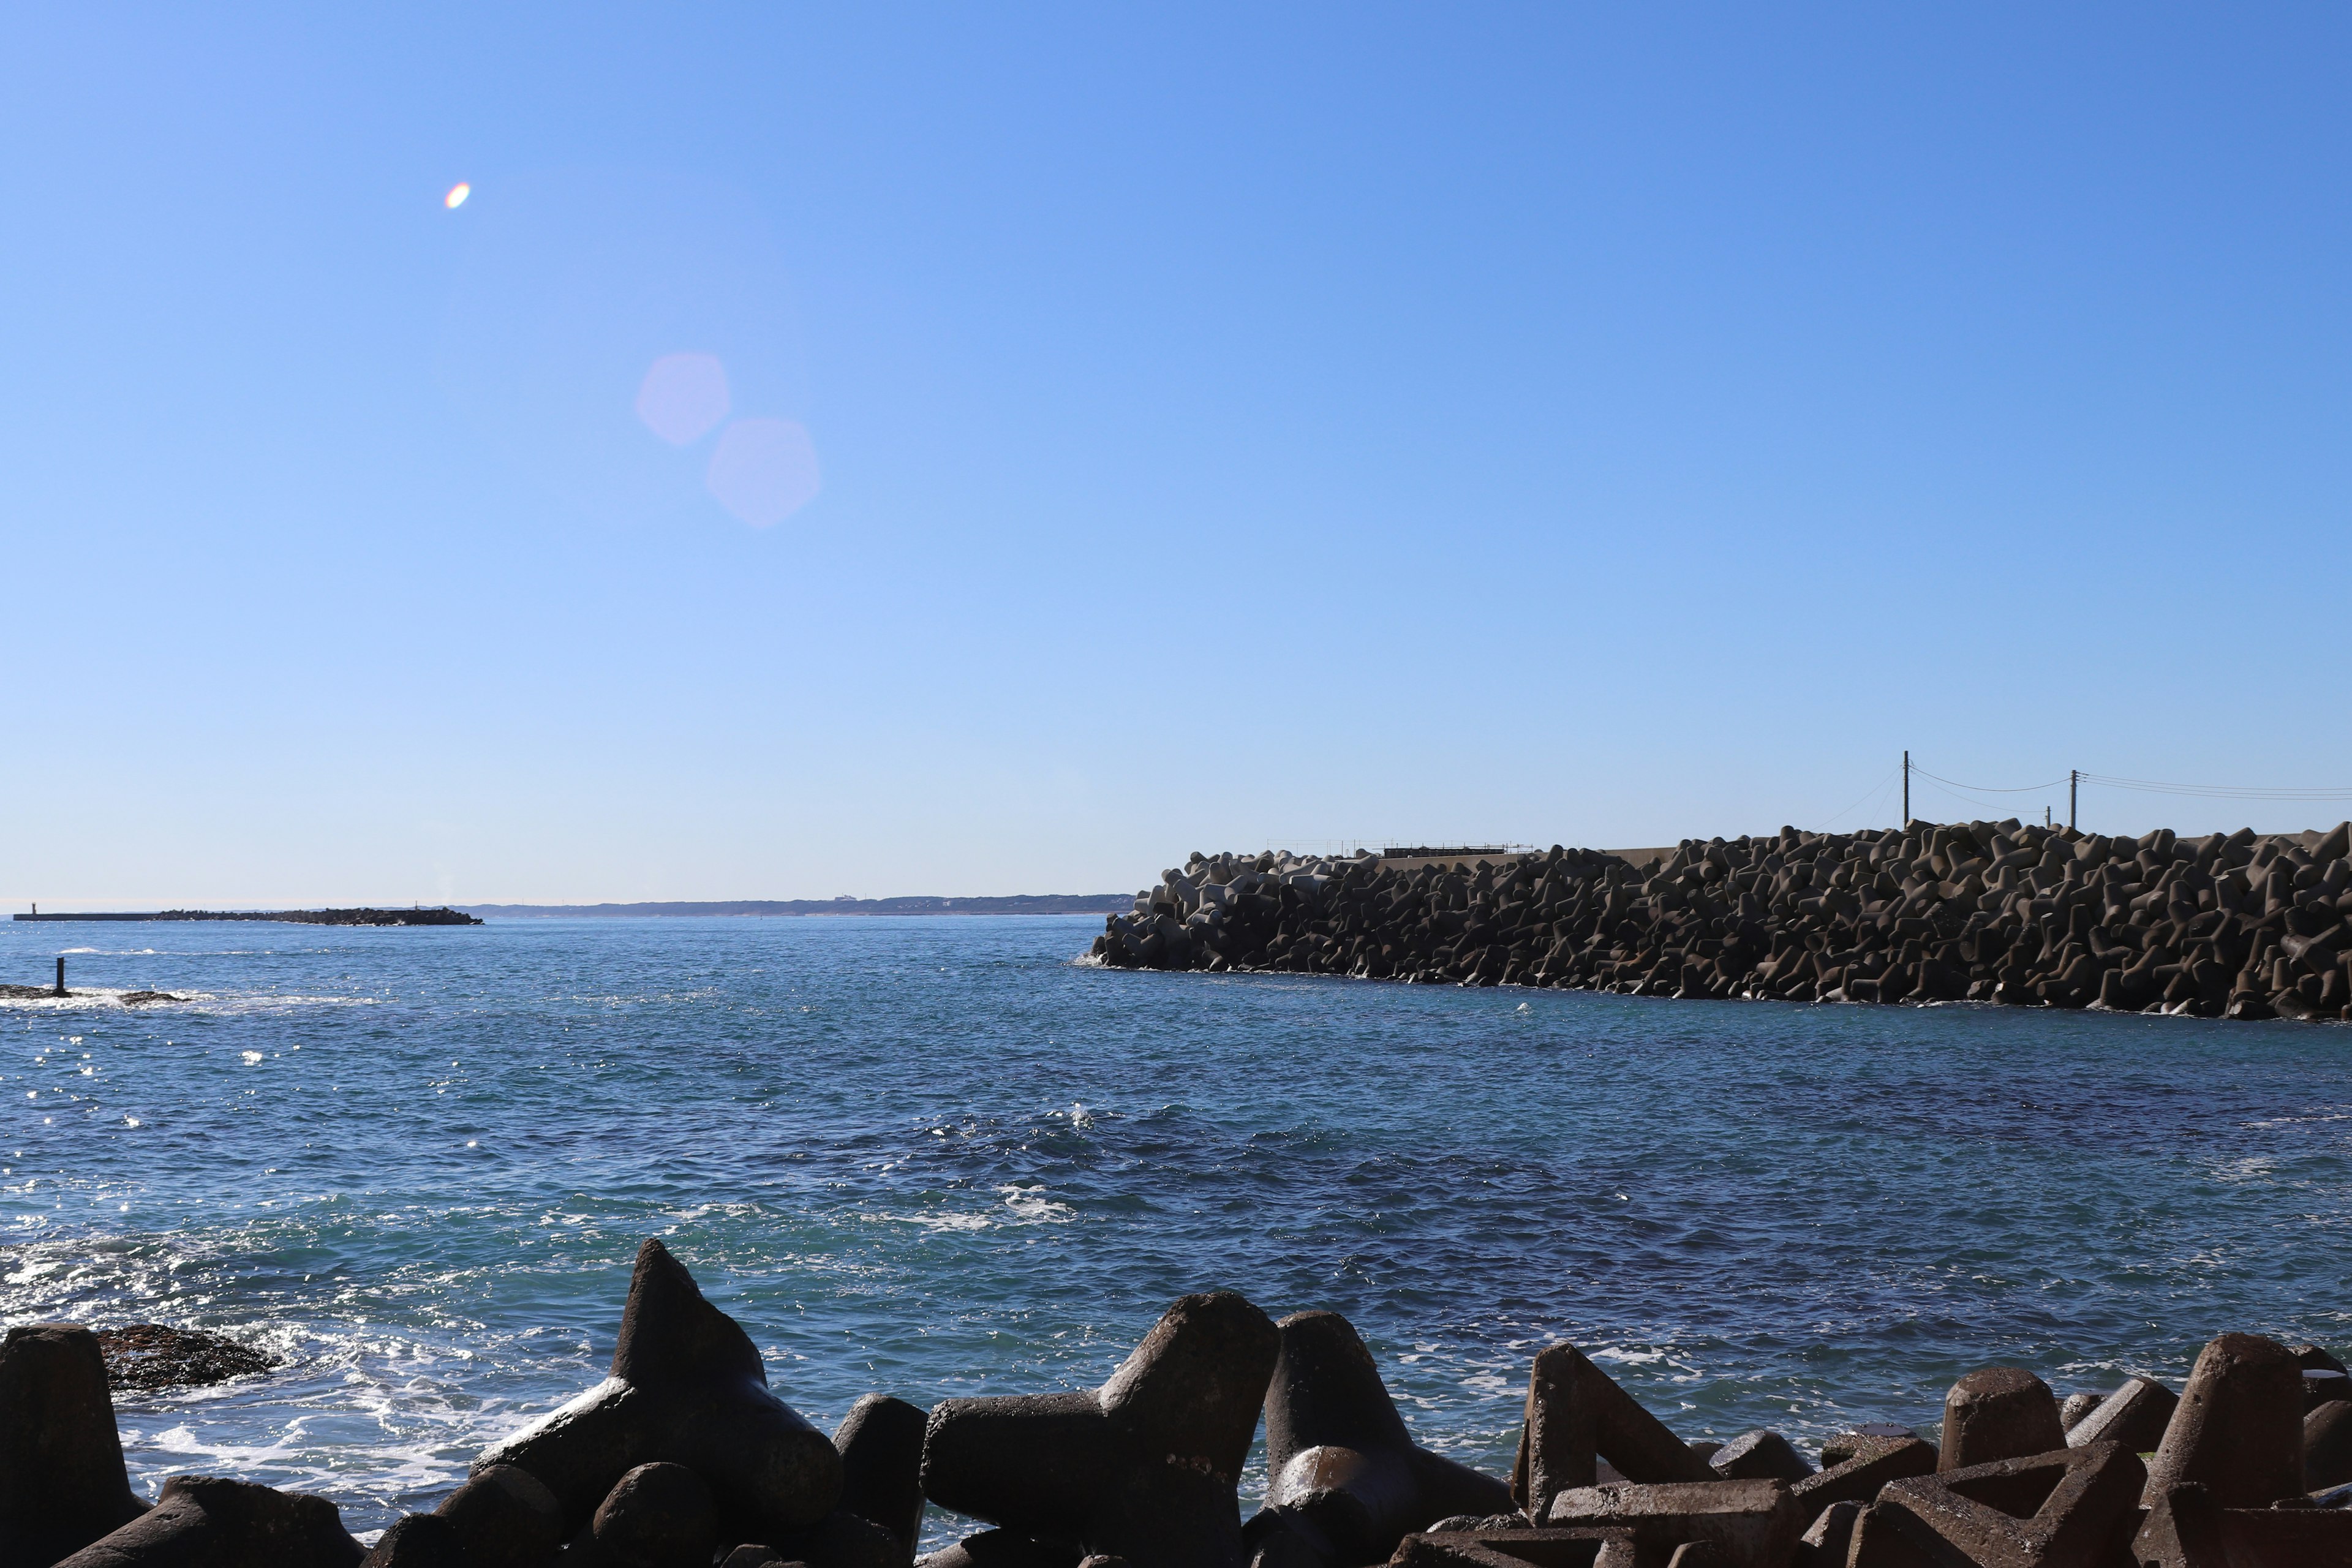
column 936, row 1157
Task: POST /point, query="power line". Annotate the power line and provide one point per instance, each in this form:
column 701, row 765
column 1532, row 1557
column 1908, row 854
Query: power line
column 1987, row 789
column 2217, row 791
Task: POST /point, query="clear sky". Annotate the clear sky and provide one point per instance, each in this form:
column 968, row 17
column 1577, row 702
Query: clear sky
column 986, row 449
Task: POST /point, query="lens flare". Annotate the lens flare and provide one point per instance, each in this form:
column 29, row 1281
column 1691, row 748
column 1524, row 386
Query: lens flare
column 457, row 195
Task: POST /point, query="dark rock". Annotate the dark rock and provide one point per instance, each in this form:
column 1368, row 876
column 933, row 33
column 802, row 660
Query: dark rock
column 419, row 1541
column 1145, row 1467
column 2239, row 1430
column 145, row 998
column 505, row 1518
column 658, row 1516
column 141, row 1356
column 687, row 1388
column 1338, row 1457
column 204, row 1521
column 881, row 1445
column 752, row 1555
column 62, row 1480
column 2074, row 1406
column 1998, row 1412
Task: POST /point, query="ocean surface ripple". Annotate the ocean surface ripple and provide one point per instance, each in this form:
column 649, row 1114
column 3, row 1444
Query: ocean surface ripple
column 934, row 1157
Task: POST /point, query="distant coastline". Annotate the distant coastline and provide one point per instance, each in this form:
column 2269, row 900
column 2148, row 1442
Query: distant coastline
column 1017, row 904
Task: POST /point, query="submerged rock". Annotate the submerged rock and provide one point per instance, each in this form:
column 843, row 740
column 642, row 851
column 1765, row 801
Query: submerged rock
column 145, row 1357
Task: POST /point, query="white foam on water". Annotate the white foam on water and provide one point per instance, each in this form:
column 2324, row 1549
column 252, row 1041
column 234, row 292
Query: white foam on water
column 1025, row 1203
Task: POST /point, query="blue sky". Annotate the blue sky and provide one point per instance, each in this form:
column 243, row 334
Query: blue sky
column 1197, row 429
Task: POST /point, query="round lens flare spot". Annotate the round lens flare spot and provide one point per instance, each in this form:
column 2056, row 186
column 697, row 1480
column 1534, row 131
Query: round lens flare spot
column 683, row 397
column 456, row 197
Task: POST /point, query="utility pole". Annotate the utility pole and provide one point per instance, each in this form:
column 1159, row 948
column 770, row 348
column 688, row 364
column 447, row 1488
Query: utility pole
column 1907, row 789
column 2074, row 777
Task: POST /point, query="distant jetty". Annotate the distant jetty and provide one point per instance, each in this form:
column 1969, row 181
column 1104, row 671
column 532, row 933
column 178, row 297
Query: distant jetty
column 2230, row 925
column 1020, row 904
column 436, row 917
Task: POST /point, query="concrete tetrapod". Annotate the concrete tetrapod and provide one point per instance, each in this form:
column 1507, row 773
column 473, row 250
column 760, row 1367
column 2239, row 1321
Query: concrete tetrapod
column 1754, row 1523
column 2058, row 1509
column 505, row 1518
column 1999, row 1413
column 62, row 1480
column 419, row 1541
column 881, row 1444
column 2327, row 1447
column 205, row 1522
column 2239, row 1430
column 2188, row 1530
column 687, row 1387
column 1760, row 1455
column 1858, row 1479
column 2134, row 1416
column 1518, row 1549
column 1002, row 1548
column 1344, row 1474
column 1577, row 1416
column 1144, row 1467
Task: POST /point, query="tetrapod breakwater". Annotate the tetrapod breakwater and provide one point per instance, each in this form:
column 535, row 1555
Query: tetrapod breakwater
column 685, row 1457
column 2226, row 925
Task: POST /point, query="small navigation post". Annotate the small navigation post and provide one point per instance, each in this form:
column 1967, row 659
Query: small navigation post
column 61, row 977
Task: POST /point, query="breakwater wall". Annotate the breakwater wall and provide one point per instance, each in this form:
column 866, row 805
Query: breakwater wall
column 2227, row 925
column 685, row 1458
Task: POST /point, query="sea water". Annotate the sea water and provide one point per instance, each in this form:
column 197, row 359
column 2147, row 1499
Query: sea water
column 937, row 1158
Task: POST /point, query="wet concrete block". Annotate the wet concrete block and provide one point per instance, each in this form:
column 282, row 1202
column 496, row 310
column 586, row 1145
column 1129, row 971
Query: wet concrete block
column 1576, row 1416
column 205, row 1522
column 658, row 1516
column 2134, row 1416
column 1760, row 1455
column 1145, row 1466
column 2058, row 1509
column 1756, row 1523
column 1837, row 1449
column 419, row 1541
column 1573, row 1548
column 1338, row 1455
column 1998, row 1412
column 1858, row 1480
column 881, row 1445
column 1829, row 1540
column 686, row 1388
column 2239, row 1430
column 505, row 1518
column 2327, row 1447
column 62, row 1480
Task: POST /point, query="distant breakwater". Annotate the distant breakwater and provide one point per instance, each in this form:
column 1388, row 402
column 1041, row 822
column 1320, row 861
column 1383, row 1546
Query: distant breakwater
column 435, row 917
column 2224, row 926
